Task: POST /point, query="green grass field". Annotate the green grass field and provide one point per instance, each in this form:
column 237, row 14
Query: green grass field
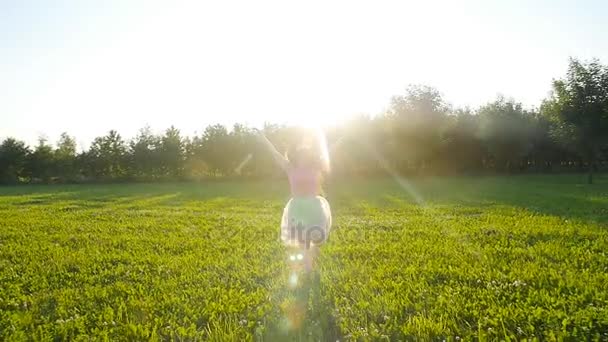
column 472, row 258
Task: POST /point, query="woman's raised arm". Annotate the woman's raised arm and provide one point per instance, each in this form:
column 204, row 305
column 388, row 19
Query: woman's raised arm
column 278, row 157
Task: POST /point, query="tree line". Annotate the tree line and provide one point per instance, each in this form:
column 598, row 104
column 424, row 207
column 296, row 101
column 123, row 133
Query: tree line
column 419, row 134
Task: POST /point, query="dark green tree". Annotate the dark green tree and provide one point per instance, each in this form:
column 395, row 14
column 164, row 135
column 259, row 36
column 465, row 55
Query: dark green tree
column 213, row 151
column 172, row 153
column 242, row 148
column 196, row 166
column 463, row 150
column 578, row 107
column 544, row 152
column 505, row 128
column 106, row 159
column 65, row 158
column 144, row 155
column 41, row 162
column 13, row 159
column 417, row 121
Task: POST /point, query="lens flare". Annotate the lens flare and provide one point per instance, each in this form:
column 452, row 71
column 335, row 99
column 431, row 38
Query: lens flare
column 403, row 183
column 293, row 279
column 322, row 142
column 242, row 164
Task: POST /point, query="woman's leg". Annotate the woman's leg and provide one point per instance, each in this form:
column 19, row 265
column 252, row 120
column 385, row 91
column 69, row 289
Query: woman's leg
column 310, row 257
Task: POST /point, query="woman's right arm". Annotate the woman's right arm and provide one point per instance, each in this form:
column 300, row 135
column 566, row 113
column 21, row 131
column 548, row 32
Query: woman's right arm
column 277, row 156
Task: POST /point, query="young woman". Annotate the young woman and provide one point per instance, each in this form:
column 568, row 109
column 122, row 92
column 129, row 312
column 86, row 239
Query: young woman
column 306, row 220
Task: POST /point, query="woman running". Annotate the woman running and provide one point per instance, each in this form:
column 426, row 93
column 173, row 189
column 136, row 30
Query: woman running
column 306, row 220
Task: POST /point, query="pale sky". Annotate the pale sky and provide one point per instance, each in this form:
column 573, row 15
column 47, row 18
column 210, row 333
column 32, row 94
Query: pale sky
column 86, row 67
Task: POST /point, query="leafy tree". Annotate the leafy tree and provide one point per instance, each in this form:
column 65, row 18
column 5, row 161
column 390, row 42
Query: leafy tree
column 579, row 108
column 366, row 147
column 212, row 148
column 65, row 157
column 196, row 167
column 106, row 159
column 418, row 118
column 13, row 159
column 242, row 147
column 463, row 150
column 144, row 153
column 419, row 133
column 544, row 152
column 40, row 163
column 172, row 153
column 505, row 128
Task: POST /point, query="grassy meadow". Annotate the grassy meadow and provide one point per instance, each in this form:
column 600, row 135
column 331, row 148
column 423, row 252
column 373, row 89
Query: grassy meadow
column 522, row 257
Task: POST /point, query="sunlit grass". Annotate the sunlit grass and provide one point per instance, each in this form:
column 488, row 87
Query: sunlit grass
column 493, row 257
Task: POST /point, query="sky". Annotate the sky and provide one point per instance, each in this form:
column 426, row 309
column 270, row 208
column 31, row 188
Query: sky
column 85, row 67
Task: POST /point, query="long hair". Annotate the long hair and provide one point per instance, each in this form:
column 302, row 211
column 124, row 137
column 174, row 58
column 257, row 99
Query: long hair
column 311, row 150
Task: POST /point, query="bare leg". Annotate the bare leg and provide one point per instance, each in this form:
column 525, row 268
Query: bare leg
column 310, row 258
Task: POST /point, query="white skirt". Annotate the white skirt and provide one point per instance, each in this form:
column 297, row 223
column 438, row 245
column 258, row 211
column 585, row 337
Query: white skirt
column 306, row 221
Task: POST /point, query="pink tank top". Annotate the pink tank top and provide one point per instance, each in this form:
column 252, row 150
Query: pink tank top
column 303, row 181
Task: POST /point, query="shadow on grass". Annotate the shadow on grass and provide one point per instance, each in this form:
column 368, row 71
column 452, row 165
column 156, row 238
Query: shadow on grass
column 565, row 196
column 160, row 194
column 305, row 315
